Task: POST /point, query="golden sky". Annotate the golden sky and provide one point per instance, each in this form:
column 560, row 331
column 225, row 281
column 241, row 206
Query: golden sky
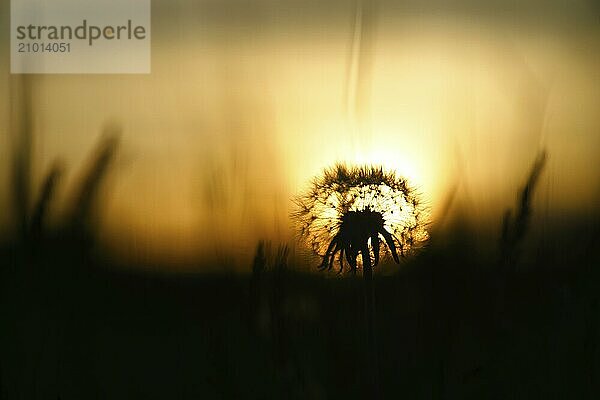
column 242, row 109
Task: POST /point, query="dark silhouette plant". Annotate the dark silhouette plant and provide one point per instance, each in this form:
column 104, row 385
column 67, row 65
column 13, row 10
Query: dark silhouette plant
column 43, row 260
column 514, row 228
column 361, row 210
column 31, row 213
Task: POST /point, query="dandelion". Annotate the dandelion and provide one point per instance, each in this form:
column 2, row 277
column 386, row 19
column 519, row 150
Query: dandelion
column 366, row 211
column 360, row 210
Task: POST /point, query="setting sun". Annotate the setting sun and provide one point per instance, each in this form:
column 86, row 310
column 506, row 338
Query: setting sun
column 284, row 199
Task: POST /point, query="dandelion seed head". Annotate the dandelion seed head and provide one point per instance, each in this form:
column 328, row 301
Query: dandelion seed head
column 343, row 201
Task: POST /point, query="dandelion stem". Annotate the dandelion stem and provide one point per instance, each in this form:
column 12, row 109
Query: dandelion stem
column 372, row 364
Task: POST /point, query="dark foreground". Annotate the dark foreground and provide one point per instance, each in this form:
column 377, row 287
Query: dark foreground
column 447, row 325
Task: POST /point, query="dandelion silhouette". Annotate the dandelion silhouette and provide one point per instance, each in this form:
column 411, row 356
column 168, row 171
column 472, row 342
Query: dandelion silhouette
column 360, row 210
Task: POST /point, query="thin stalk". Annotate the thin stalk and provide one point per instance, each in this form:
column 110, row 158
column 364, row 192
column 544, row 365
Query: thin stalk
column 369, row 294
column 22, row 126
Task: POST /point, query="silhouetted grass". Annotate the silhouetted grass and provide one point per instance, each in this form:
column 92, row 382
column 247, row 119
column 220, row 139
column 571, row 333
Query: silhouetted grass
column 22, row 124
column 79, row 326
column 515, row 227
column 133, row 335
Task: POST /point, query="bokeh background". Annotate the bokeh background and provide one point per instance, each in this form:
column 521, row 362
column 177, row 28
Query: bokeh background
column 248, row 100
column 169, row 267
